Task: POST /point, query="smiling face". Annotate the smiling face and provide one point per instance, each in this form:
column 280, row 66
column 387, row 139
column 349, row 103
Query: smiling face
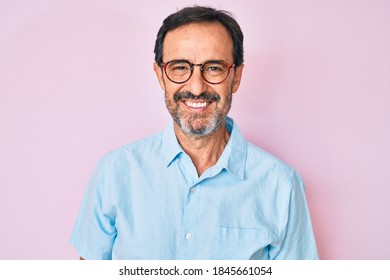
column 198, row 107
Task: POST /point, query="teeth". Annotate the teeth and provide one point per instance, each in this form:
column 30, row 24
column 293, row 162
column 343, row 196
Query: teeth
column 196, row 105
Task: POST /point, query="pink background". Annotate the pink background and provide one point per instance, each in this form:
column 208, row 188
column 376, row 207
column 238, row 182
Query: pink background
column 76, row 81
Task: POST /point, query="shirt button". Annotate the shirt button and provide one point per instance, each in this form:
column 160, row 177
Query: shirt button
column 193, row 190
column 188, row 236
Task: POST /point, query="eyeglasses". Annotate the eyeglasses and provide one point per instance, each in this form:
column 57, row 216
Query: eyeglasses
column 213, row 71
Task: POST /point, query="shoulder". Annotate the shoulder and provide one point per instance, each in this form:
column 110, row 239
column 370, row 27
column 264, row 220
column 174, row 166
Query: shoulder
column 135, row 151
column 261, row 166
column 145, row 145
column 258, row 156
column 269, row 166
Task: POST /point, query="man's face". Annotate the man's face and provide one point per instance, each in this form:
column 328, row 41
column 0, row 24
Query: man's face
column 198, row 107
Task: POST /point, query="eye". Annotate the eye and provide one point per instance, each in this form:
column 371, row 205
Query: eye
column 214, row 68
column 179, row 68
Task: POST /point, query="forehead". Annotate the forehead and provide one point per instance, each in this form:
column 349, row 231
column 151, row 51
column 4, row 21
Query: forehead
column 198, row 42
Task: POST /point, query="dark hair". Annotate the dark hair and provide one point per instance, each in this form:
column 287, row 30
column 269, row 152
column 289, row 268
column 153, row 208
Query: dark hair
column 198, row 14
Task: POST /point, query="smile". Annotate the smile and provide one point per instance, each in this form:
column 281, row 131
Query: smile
column 196, row 105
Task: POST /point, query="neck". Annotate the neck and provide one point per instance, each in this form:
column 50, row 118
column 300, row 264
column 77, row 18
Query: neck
column 204, row 151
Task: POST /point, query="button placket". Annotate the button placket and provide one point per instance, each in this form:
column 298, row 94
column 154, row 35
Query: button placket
column 190, row 220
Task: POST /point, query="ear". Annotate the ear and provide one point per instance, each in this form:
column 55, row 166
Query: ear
column 159, row 74
column 237, row 78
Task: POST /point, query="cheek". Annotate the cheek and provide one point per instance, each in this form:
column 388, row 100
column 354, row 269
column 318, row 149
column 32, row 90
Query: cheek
column 170, row 89
column 224, row 90
column 229, row 84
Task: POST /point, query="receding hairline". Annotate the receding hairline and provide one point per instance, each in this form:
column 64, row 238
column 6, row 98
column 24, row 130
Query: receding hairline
column 201, row 23
column 201, row 15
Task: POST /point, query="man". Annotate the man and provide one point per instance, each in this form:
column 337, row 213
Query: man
column 198, row 190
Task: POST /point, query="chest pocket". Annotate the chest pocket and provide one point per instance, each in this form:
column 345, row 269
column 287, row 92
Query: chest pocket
column 241, row 243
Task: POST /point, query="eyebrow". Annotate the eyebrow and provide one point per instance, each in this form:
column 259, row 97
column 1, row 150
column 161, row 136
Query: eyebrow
column 216, row 61
column 179, row 60
column 207, row 61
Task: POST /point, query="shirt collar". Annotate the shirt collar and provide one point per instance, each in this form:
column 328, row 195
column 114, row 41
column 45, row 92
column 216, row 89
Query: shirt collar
column 170, row 146
column 232, row 159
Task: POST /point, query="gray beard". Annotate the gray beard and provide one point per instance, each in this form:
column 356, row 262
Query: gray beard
column 188, row 122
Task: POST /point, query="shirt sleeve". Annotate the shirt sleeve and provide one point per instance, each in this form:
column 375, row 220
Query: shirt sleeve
column 94, row 232
column 297, row 240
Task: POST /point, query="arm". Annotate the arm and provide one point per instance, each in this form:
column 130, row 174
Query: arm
column 297, row 238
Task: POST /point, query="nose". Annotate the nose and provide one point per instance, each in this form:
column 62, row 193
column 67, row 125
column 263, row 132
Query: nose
column 196, row 84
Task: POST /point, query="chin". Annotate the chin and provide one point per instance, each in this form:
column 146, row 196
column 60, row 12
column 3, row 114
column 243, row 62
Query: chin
column 200, row 130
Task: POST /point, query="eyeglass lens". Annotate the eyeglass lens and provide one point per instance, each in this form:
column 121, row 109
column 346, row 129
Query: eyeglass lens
column 212, row 72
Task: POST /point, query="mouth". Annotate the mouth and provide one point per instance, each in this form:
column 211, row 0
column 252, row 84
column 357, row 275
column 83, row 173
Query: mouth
column 198, row 105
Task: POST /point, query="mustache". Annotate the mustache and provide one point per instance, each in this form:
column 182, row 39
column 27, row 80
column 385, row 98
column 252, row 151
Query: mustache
column 206, row 96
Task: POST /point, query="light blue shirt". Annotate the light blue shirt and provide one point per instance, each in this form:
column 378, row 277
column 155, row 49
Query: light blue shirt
column 146, row 201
